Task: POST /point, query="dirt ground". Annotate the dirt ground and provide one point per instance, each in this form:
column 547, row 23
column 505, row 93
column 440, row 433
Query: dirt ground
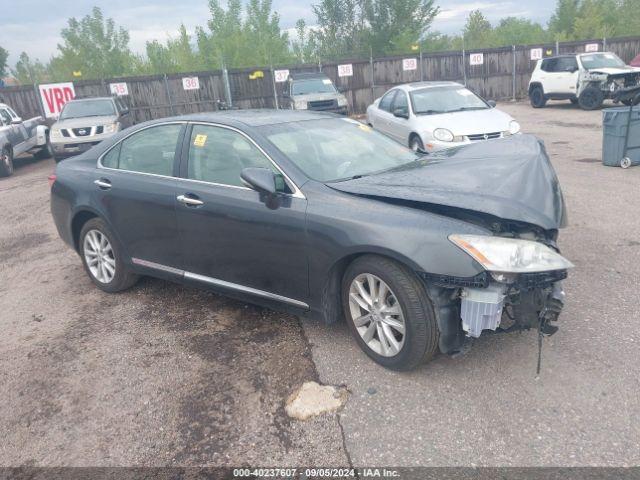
column 168, row 375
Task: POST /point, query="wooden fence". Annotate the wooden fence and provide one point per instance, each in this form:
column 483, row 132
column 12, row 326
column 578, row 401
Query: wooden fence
column 504, row 74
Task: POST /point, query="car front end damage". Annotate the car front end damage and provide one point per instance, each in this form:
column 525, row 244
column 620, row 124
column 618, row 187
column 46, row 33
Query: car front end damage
column 608, row 81
column 520, row 289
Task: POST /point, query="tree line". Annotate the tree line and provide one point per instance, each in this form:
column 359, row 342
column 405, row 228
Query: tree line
column 244, row 35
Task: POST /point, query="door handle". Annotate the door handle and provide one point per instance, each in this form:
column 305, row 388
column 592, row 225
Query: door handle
column 103, row 183
column 189, row 201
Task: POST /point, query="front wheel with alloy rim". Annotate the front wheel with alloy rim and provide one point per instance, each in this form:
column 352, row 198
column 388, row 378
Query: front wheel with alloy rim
column 102, row 258
column 389, row 313
column 6, row 162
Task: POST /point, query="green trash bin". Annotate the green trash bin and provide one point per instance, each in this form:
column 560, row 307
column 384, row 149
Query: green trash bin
column 621, row 137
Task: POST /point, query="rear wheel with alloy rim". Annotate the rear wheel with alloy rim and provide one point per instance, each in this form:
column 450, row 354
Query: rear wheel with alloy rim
column 389, row 313
column 6, row 162
column 537, row 98
column 102, row 258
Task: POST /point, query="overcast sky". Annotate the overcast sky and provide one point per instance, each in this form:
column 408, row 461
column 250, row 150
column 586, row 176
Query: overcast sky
column 34, row 25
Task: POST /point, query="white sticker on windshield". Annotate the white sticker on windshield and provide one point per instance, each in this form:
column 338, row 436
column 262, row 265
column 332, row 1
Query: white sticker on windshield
column 464, row 92
column 587, row 58
column 326, row 81
column 609, row 56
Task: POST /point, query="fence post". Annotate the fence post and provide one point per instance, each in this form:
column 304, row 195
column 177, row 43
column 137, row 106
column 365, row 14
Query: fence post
column 166, row 86
column 514, row 72
column 557, row 47
column 604, row 44
column 275, row 92
column 227, row 87
column 39, row 100
column 464, row 66
column 319, row 65
column 373, row 81
column 421, row 67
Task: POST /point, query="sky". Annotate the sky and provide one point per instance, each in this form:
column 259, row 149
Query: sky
column 34, row 25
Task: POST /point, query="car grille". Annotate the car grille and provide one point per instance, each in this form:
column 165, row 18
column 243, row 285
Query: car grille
column 484, row 136
column 322, row 105
column 82, row 132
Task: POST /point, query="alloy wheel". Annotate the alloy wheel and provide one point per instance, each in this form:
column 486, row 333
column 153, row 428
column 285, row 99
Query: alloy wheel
column 99, row 256
column 377, row 315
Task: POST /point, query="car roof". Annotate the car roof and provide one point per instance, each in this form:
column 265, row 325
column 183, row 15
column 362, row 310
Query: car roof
column 86, row 99
column 428, row 84
column 307, row 75
column 257, row 117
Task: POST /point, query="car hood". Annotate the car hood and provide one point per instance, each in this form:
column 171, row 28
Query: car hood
column 315, row 97
column 511, row 178
column 471, row 122
column 615, row 71
column 81, row 122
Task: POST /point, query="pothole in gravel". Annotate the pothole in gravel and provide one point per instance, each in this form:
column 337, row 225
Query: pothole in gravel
column 313, row 399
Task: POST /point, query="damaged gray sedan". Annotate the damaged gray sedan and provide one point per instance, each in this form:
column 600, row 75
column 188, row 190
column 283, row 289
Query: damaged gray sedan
column 324, row 217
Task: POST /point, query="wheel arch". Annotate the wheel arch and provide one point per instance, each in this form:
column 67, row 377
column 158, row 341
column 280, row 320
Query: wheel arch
column 77, row 222
column 533, row 85
column 331, row 298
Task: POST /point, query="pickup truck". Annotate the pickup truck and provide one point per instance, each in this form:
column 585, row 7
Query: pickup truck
column 18, row 137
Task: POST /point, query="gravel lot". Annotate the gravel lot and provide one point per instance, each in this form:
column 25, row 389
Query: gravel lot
column 168, row 375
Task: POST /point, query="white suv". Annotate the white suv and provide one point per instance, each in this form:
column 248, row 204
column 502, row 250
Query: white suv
column 586, row 79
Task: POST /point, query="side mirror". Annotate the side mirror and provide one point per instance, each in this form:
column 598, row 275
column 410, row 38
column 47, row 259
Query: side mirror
column 263, row 180
column 401, row 113
column 125, row 111
column 492, row 103
column 342, row 89
column 16, row 121
column 572, row 69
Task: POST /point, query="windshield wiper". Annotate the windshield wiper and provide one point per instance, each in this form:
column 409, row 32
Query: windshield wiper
column 428, row 112
column 463, row 109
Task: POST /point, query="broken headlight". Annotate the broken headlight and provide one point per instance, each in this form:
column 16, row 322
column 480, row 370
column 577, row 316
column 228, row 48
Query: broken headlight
column 510, row 255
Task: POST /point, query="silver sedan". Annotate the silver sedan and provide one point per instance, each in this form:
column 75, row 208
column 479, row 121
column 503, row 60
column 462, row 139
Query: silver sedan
column 431, row 116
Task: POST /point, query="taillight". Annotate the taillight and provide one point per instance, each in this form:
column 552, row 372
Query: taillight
column 52, row 179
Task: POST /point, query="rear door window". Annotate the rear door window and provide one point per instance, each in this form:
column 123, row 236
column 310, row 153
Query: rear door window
column 151, row 150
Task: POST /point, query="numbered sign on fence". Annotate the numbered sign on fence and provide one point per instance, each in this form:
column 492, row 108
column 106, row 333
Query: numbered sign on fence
column 120, row 89
column 409, row 64
column 476, row 59
column 54, row 96
column 536, row 54
column 190, row 83
column 281, row 75
column 345, row 70
column 591, row 47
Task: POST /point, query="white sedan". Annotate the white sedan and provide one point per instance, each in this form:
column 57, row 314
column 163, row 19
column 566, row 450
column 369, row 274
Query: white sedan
column 431, row 116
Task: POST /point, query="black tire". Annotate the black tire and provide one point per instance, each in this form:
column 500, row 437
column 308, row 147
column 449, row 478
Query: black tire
column 591, row 98
column 123, row 277
column 415, row 143
column 537, row 98
column 421, row 330
column 574, row 101
column 6, row 162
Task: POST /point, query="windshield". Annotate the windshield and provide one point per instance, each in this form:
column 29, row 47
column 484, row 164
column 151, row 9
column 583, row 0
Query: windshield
column 604, row 60
column 92, row 108
column 337, row 149
column 445, row 100
column 313, row 85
